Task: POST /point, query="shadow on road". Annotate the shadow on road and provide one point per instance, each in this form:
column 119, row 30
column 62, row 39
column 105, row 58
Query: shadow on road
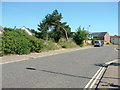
column 66, row 74
column 110, row 85
column 115, row 64
column 113, row 85
column 33, row 69
column 103, row 65
column 30, row 68
column 111, row 77
column 100, row 64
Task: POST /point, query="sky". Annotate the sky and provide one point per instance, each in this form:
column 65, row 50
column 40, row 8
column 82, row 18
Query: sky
column 101, row 16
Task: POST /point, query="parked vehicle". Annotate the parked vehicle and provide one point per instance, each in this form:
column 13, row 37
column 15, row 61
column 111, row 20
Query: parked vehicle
column 98, row 43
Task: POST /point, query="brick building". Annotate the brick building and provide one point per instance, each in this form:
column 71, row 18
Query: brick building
column 102, row 36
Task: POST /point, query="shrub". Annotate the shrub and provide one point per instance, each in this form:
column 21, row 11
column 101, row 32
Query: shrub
column 81, row 45
column 14, row 42
column 107, row 43
column 50, row 45
column 118, row 48
column 0, row 45
column 37, row 44
column 67, row 44
column 19, row 42
column 89, row 44
column 80, row 35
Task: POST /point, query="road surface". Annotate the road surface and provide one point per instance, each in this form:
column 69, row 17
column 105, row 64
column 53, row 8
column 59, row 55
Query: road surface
column 66, row 70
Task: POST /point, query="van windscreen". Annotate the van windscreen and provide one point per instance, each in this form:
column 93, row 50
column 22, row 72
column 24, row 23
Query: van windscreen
column 96, row 41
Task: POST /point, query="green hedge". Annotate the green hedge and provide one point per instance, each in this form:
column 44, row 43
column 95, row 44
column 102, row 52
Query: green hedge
column 19, row 42
column 37, row 44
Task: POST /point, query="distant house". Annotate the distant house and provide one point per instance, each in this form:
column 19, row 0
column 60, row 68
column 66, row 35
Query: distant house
column 102, row 36
column 1, row 30
column 27, row 30
column 115, row 39
column 90, row 36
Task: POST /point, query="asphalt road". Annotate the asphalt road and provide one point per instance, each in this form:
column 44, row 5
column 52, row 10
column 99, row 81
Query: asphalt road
column 67, row 70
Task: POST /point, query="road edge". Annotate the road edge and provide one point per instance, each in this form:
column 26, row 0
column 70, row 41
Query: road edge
column 94, row 82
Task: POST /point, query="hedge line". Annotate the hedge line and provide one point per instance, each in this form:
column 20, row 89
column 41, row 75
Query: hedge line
column 19, row 42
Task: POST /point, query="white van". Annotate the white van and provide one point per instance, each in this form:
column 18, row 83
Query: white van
column 97, row 43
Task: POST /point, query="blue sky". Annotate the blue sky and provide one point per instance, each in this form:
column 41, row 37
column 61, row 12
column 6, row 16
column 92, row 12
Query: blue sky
column 102, row 16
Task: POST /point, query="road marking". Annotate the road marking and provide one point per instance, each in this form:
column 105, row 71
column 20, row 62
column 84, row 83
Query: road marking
column 88, row 84
column 92, row 82
column 45, row 55
column 103, row 68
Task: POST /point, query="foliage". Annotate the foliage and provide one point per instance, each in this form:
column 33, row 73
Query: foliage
column 0, row 45
column 50, row 45
column 67, row 44
column 37, row 44
column 107, row 43
column 80, row 35
column 14, row 42
column 81, row 45
column 118, row 48
column 89, row 44
column 102, row 41
column 52, row 23
column 19, row 42
column 35, row 33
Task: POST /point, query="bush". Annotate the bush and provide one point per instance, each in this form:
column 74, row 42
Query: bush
column 37, row 44
column 67, row 44
column 93, row 41
column 14, row 42
column 81, row 45
column 80, row 35
column 19, row 42
column 89, row 44
column 50, row 45
column 118, row 48
column 107, row 43
column 0, row 45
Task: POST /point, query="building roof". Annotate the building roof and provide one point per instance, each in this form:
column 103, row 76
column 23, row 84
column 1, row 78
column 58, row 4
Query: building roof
column 1, row 28
column 98, row 34
column 27, row 30
column 114, row 36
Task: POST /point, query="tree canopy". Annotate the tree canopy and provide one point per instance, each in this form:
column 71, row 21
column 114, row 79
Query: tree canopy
column 52, row 27
column 80, row 35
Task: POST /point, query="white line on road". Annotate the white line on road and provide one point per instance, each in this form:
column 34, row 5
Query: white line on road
column 93, row 78
column 92, row 82
column 103, row 68
column 112, row 61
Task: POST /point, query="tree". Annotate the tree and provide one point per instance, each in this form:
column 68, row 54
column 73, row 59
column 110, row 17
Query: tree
column 52, row 23
column 35, row 33
column 80, row 35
